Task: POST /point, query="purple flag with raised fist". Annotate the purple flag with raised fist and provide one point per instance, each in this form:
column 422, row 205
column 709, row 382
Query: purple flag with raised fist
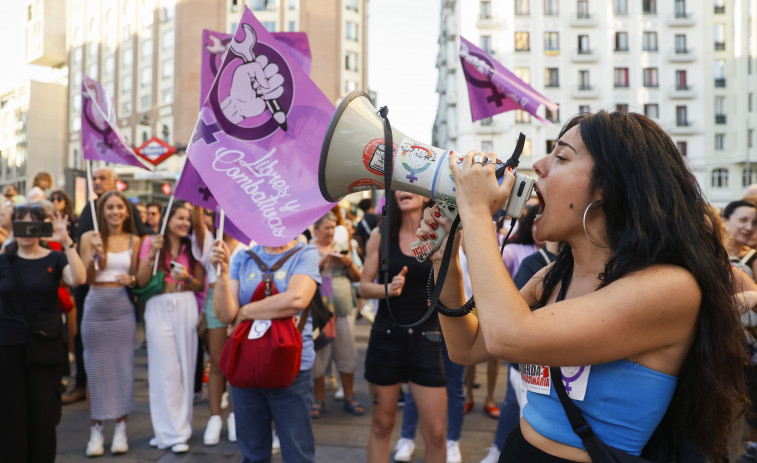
column 101, row 140
column 257, row 141
column 214, row 45
column 492, row 89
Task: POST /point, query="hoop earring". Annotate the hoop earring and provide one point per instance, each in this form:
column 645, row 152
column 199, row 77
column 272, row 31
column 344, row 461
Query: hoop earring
column 584, row 223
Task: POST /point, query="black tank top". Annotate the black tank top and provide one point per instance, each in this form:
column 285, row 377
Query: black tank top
column 412, row 304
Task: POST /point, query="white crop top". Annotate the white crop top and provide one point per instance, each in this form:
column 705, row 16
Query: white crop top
column 118, row 263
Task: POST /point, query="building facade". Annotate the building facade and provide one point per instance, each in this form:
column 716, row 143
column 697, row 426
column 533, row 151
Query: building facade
column 689, row 65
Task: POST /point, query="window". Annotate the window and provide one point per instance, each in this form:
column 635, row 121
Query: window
column 351, row 31
column 126, row 31
column 125, row 108
column 682, row 119
column 145, row 77
column 649, row 6
column 584, row 83
column 349, row 86
column 720, row 117
column 621, row 41
column 584, row 108
column 718, row 34
column 167, row 69
column 166, row 96
column 650, row 78
column 583, row 44
column 582, row 9
column 649, row 41
column 680, row 8
column 652, row 110
column 486, row 146
column 552, row 77
column 485, row 11
column 681, row 80
column 682, row 148
column 521, row 117
column 351, row 5
column 680, row 40
column 620, row 7
column 719, row 141
column 109, row 66
column 92, row 70
column 551, row 7
column 550, row 145
column 77, row 55
column 748, row 177
column 126, row 83
column 621, row 77
column 719, row 6
column 262, row 5
column 718, row 72
column 552, row 116
column 750, row 138
column 146, row 50
column 291, row 27
column 750, row 102
column 524, row 74
column 350, row 61
column 551, row 43
column 527, row 147
column 270, row 26
column 168, row 40
column 719, row 178
column 486, row 43
column 522, row 41
column 487, row 121
column 621, row 107
column 521, row 7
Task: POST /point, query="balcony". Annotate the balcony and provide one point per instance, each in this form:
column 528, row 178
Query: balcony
column 584, row 56
column 720, row 82
column 720, row 118
column 584, row 20
column 719, row 46
column 489, row 22
column 585, row 92
column 719, row 9
column 681, row 20
column 682, row 128
column 681, row 56
column 678, row 92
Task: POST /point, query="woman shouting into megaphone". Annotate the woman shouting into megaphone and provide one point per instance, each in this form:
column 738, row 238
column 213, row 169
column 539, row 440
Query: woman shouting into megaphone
column 633, row 320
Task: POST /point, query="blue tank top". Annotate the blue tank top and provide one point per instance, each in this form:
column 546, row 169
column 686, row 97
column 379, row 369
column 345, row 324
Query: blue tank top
column 623, row 401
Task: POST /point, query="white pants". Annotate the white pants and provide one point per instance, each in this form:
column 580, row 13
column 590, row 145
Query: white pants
column 519, row 387
column 171, row 334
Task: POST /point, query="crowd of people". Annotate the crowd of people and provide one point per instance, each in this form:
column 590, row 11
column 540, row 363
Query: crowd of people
column 619, row 301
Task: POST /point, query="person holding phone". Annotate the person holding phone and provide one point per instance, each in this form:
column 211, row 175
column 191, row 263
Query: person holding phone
column 31, row 334
column 338, row 271
column 171, row 329
column 108, row 325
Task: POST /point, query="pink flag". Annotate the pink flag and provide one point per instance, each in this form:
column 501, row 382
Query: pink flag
column 214, row 45
column 100, row 137
column 258, row 137
column 492, row 89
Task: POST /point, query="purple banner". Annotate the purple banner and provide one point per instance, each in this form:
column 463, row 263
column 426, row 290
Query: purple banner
column 191, row 188
column 214, row 45
column 101, row 140
column 492, row 89
column 257, row 141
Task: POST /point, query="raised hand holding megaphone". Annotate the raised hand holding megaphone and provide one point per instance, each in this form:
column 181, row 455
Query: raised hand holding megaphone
column 353, row 160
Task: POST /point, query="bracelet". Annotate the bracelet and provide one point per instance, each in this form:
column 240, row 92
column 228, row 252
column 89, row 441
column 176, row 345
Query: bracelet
column 133, row 281
column 188, row 279
column 72, row 245
column 461, row 311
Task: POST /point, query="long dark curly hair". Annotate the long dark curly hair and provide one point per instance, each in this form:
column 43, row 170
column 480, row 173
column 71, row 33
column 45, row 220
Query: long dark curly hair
column 655, row 214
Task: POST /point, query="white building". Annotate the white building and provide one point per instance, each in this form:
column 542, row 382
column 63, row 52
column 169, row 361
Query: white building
column 689, row 65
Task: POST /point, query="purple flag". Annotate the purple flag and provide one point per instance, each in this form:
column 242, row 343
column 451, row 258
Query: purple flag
column 258, row 137
column 100, row 137
column 492, row 89
column 191, row 188
column 214, row 45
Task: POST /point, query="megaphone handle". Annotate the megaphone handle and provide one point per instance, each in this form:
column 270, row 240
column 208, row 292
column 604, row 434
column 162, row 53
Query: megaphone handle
column 423, row 248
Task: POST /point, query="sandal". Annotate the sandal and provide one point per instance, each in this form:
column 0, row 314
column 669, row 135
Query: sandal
column 316, row 409
column 353, row 406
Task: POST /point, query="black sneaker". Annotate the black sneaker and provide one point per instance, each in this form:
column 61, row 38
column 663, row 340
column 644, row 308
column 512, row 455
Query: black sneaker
column 749, row 456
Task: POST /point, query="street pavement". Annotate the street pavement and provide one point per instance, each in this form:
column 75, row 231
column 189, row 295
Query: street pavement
column 339, row 436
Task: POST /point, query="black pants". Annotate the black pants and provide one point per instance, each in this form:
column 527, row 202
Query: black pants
column 30, row 407
column 517, row 450
column 80, row 293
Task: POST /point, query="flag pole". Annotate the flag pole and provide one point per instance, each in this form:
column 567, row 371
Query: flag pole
column 219, row 235
column 163, row 232
column 91, row 191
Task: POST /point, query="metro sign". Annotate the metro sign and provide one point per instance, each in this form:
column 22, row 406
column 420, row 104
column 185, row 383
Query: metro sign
column 155, row 151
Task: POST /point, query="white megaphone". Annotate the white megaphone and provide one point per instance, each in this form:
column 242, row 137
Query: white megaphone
column 353, row 160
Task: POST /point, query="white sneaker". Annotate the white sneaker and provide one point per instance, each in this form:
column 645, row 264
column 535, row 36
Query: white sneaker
column 120, row 443
column 404, row 449
column 276, row 443
column 153, row 442
column 231, row 427
column 453, row 452
column 180, row 448
column 492, row 456
column 212, row 434
column 225, row 400
column 339, row 394
column 95, row 445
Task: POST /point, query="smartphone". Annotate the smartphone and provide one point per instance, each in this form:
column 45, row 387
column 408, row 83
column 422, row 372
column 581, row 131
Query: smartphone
column 32, row 229
column 344, row 252
column 176, row 265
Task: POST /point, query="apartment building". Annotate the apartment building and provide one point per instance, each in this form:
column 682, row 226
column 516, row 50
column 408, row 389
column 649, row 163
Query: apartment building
column 689, row 65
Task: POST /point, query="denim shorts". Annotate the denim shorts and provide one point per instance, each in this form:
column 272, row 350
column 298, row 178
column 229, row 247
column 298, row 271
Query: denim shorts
column 397, row 354
column 210, row 315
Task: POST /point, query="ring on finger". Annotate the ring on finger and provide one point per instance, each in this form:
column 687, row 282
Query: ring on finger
column 480, row 159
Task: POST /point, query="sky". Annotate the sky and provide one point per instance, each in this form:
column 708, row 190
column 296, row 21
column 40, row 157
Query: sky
column 402, row 51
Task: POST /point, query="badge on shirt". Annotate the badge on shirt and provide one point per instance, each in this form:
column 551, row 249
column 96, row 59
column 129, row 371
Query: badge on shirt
column 280, row 275
column 258, row 329
column 537, row 379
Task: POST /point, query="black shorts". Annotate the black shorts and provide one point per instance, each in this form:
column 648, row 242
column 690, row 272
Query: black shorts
column 751, row 384
column 396, row 354
column 517, row 449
